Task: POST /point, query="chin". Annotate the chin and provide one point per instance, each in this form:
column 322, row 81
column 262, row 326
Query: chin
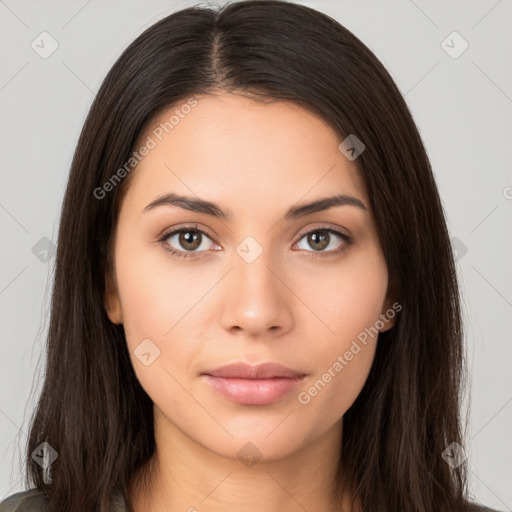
column 256, row 442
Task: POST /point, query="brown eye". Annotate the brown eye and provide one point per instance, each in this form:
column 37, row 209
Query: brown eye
column 319, row 240
column 186, row 240
column 323, row 242
column 189, row 240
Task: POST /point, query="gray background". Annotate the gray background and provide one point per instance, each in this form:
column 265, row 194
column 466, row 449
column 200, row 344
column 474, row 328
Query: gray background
column 462, row 106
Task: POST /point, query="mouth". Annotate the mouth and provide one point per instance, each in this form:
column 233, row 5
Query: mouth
column 254, row 385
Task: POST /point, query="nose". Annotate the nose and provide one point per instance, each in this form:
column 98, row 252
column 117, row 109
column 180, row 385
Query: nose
column 258, row 299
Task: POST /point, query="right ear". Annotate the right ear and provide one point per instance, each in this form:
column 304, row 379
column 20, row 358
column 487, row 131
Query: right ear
column 112, row 302
column 389, row 302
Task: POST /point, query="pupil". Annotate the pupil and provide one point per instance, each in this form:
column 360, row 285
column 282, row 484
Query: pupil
column 190, row 239
column 322, row 239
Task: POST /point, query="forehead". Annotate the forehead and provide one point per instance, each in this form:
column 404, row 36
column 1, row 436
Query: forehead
column 231, row 148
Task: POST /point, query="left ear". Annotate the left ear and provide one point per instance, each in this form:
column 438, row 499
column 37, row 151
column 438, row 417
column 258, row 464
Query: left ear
column 112, row 302
column 390, row 308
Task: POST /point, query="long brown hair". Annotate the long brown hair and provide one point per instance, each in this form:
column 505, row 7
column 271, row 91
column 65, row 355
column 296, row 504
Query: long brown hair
column 92, row 410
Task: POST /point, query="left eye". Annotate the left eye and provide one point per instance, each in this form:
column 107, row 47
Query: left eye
column 321, row 238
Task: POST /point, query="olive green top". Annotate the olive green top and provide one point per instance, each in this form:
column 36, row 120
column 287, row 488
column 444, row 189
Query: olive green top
column 34, row 501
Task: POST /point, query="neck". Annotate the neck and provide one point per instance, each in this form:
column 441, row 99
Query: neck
column 184, row 475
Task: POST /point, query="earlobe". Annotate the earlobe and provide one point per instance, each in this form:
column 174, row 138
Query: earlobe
column 112, row 302
column 388, row 319
column 388, row 314
column 391, row 307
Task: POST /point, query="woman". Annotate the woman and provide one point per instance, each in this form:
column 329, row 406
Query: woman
column 255, row 299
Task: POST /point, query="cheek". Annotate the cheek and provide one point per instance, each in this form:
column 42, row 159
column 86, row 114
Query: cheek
column 331, row 392
column 156, row 293
column 347, row 298
column 348, row 310
column 342, row 361
column 157, row 302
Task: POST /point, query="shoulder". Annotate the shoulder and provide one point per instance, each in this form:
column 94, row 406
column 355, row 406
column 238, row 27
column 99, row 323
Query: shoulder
column 32, row 500
column 472, row 507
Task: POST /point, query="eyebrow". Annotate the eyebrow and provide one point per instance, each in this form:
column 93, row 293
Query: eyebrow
column 295, row 212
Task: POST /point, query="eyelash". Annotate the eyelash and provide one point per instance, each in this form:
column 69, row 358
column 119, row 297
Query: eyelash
column 313, row 254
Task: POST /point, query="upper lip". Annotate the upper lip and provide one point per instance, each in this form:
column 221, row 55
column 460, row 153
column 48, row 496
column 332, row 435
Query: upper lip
column 241, row 370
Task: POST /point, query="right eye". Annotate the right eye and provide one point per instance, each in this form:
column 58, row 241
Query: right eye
column 184, row 241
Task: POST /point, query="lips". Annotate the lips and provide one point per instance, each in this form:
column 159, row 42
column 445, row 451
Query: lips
column 254, row 385
column 241, row 370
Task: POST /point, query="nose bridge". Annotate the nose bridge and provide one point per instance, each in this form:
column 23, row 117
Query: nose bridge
column 256, row 298
column 252, row 271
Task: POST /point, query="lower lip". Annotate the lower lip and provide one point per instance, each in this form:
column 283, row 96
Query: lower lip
column 254, row 391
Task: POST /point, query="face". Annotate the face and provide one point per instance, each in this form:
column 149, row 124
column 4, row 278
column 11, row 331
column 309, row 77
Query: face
column 255, row 279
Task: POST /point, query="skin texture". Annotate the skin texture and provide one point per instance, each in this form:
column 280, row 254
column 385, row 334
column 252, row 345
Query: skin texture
column 255, row 160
